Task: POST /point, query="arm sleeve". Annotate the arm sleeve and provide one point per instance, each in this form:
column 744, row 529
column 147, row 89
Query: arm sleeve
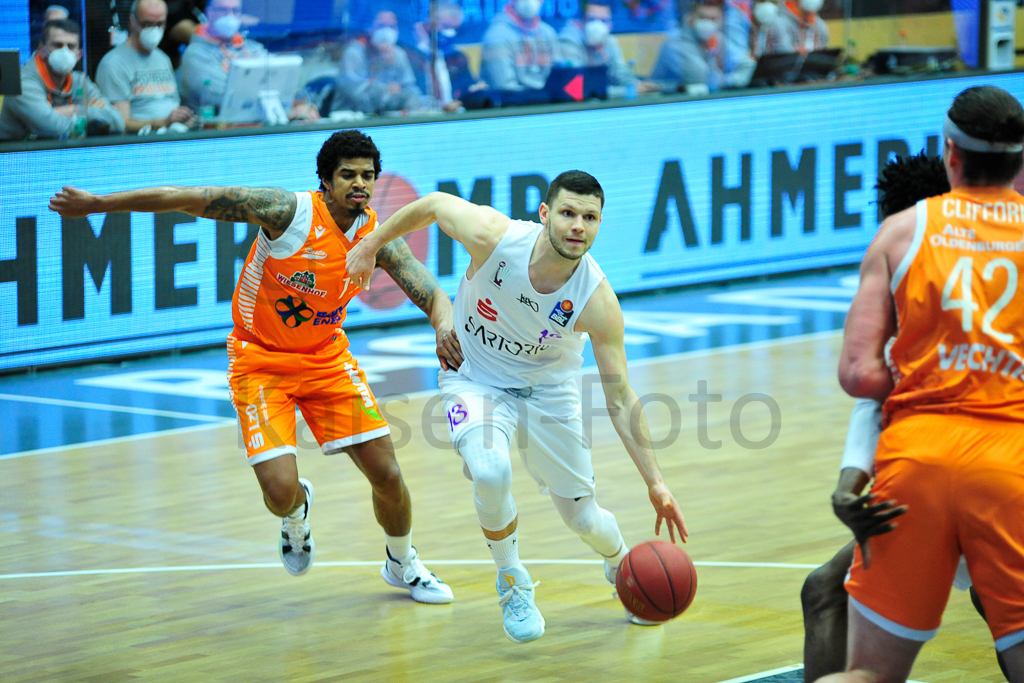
column 573, row 51
column 113, row 79
column 619, row 72
column 35, row 111
column 107, row 113
column 354, row 81
column 862, row 436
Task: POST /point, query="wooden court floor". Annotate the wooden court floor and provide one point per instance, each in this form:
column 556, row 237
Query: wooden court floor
column 187, row 500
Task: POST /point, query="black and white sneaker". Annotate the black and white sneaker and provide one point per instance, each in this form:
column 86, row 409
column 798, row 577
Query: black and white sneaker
column 297, row 548
column 420, row 581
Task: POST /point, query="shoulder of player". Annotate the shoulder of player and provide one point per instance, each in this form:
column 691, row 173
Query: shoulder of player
column 602, row 314
column 898, row 227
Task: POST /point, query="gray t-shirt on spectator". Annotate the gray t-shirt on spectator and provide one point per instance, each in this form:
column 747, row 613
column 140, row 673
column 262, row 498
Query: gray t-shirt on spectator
column 205, row 65
column 146, row 81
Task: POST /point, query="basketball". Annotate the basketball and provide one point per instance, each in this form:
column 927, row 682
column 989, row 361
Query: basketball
column 656, row 581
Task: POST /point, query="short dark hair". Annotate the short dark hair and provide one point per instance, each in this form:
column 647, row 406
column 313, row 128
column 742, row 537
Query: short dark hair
column 574, row 181
column 68, row 25
column 345, row 144
column 907, row 180
column 991, row 114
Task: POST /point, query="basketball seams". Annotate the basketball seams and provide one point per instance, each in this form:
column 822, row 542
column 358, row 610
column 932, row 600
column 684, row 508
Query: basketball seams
column 693, row 583
column 640, row 586
column 668, row 575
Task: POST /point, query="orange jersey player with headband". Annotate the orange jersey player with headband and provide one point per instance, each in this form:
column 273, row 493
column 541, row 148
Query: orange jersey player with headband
column 935, row 332
column 288, row 350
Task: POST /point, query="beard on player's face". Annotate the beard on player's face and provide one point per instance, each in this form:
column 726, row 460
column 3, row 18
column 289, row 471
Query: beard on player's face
column 349, row 197
column 564, row 249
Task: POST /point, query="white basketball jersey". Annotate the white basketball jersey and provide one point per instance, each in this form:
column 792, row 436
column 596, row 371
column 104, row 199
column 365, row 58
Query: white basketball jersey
column 512, row 336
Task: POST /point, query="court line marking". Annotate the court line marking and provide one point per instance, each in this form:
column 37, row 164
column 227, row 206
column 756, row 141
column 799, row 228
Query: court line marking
column 357, row 563
column 765, row 674
column 18, row 398
column 119, row 439
column 699, row 353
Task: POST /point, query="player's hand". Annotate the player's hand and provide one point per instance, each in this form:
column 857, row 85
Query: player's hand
column 668, row 511
column 866, row 518
column 449, row 350
column 360, row 262
column 71, row 202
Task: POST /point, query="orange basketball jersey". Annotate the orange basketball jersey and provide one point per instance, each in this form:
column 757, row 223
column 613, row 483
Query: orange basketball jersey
column 960, row 315
column 293, row 290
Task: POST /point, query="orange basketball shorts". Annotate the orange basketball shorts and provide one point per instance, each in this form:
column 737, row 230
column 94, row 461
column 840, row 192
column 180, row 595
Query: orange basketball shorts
column 327, row 386
column 962, row 479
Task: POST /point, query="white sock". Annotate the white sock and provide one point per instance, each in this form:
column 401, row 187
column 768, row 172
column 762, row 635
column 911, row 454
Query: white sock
column 506, row 551
column 299, row 512
column 400, row 547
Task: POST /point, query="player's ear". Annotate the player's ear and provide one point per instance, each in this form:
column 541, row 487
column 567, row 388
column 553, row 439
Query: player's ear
column 542, row 211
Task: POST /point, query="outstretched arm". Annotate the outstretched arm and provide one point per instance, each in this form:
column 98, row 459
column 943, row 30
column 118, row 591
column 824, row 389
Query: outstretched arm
column 602, row 319
column 421, row 287
column 477, row 228
column 271, row 207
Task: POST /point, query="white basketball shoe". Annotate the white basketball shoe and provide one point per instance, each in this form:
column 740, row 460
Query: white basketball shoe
column 421, row 583
column 297, row 548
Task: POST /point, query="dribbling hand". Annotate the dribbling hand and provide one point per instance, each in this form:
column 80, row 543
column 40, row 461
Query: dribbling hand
column 71, row 202
column 668, row 511
column 360, row 262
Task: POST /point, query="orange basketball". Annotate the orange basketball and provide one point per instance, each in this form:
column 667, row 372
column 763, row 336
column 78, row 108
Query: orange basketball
column 656, row 581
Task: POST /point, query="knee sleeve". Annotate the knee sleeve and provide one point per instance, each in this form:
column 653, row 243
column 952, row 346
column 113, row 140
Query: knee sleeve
column 490, row 468
column 595, row 525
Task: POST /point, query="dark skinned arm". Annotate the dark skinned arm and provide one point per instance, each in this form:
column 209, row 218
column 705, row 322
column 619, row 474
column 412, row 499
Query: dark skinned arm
column 421, row 287
column 270, row 207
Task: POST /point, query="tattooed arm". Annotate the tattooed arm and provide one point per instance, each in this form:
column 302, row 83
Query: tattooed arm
column 421, row 287
column 271, row 207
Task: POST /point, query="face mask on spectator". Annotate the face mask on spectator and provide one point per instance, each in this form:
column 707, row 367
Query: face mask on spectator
column 385, row 36
column 595, row 32
column 528, row 9
column 62, row 61
column 226, row 27
column 448, row 32
column 151, row 37
column 705, row 28
column 811, row 6
column 766, row 12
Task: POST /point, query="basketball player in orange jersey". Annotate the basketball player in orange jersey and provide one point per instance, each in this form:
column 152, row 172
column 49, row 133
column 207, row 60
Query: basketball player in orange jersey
column 931, row 332
column 288, row 349
column 529, row 296
column 902, row 183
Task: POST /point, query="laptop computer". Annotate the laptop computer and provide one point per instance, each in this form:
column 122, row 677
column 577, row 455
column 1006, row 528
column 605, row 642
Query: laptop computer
column 10, row 73
column 781, row 67
column 820, row 63
column 577, row 83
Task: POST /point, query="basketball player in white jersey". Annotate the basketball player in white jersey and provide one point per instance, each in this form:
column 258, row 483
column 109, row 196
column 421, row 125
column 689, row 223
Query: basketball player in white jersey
column 529, row 295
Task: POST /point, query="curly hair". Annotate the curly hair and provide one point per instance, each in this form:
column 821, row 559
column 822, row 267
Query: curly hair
column 345, row 144
column 907, row 180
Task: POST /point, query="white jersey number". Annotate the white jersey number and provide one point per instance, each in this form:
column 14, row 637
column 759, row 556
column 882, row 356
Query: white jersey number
column 963, row 272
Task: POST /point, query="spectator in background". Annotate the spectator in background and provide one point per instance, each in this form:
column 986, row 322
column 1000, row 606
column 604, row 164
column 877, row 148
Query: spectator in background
column 803, row 28
column 48, row 85
column 183, row 18
column 207, row 59
column 590, row 43
column 137, row 77
column 768, row 35
column 697, row 53
column 56, row 13
column 518, row 48
column 375, row 74
column 453, row 75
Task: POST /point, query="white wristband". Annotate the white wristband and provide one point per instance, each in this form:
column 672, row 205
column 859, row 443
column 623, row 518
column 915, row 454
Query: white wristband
column 862, row 436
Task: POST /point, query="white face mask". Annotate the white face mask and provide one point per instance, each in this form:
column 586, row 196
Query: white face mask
column 384, row 37
column 151, row 37
column 226, row 27
column 705, row 28
column 595, row 32
column 811, row 6
column 766, row 12
column 62, row 61
column 448, row 32
column 528, row 9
